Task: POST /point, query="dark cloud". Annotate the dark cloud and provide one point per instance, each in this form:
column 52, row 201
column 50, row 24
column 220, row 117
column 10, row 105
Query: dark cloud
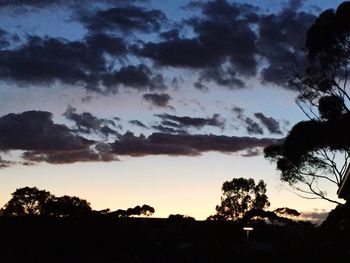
column 100, row 152
column 55, row 3
column 171, row 124
column 220, row 10
column 200, row 86
column 88, row 123
column 170, row 34
column 103, row 43
column 166, row 129
column 124, row 19
column 226, row 33
column 167, row 126
column 193, row 5
column 281, row 42
column 35, row 3
column 186, row 53
column 238, row 111
column 228, row 41
column 186, row 121
column 188, row 145
column 272, row 125
column 4, row 39
column 107, row 130
column 138, row 77
column 41, row 139
column 223, row 77
column 252, row 152
column 138, row 123
column 295, row 4
column 158, row 100
column 35, row 130
column 5, row 163
column 224, row 45
column 251, row 126
column 45, row 61
column 49, row 60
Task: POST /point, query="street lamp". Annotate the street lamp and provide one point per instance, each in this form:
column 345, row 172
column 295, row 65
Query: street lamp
column 248, row 229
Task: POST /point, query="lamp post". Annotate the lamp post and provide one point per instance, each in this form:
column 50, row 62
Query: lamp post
column 248, row 229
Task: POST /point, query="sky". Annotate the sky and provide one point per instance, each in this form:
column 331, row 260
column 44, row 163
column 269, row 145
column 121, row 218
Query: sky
column 125, row 103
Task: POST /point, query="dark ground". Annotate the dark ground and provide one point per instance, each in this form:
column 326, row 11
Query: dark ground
column 106, row 239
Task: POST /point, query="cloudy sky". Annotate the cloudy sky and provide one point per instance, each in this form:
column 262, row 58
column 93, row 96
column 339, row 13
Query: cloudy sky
column 158, row 102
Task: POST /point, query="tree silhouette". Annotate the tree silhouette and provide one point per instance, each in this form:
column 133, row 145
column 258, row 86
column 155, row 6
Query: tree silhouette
column 285, row 211
column 239, row 196
column 180, row 218
column 66, row 206
column 27, row 201
column 318, row 150
column 145, row 210
column 338, row 220
column 32, row 201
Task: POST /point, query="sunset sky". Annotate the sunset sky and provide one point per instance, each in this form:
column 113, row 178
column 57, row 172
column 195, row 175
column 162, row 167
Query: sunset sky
column 156, row 102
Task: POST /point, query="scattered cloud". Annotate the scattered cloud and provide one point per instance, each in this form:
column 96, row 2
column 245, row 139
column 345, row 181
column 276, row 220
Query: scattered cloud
column 200, row 86
column 88, row 123
column 138, row 123
column 198, row 123
column 158, row 100
column 25, row 5
column 228, row 44
column 125, row 19
column 35, row 130
column 272, row 125
column 252, row 152
column 317, row 216
column 45, row 61
column 41, row 139
column 253, row 127
column 139, row 77
column 166, row 129
column 226, row 48
column 184, row 144
column 282, row 41
column 96, row 153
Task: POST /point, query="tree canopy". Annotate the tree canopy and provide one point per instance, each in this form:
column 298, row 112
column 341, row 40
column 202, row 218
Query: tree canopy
column 318, row 150
column 239, row 196
column 32, row 201
column 66, row 206
column 145, row 210
column 26, row 201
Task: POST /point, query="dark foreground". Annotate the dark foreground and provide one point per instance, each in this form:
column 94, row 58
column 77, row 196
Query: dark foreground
column 104, row 239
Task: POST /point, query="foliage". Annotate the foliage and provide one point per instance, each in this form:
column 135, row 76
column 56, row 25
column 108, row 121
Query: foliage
column 338, row 220
column 180, row 218
column 241, row 195
column 26, row 201
column 66, row 206
column 145, row 210
column 32, row 201
column 285, row 211
column 318, row 150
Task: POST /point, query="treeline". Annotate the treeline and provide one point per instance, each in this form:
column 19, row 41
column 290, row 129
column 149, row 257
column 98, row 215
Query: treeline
column 32, row 201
